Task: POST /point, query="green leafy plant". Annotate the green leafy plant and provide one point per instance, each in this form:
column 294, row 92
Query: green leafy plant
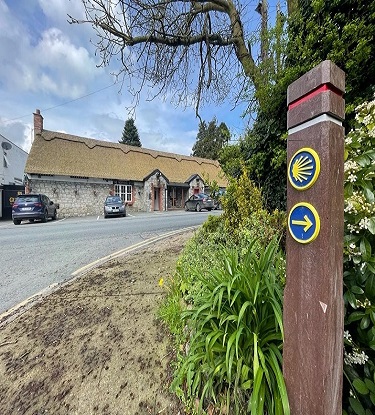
column 233, row 353
column 359, row 265
column 171, row 309
column 242, row 198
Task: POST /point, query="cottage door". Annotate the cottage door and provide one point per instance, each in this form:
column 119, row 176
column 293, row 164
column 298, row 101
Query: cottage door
column 156, row 199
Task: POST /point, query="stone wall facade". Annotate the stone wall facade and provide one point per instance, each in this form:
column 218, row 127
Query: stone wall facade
column 85, row 197
column 74, row 199
column 79, row 196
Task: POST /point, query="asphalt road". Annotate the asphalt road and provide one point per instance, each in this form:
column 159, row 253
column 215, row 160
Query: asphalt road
column 36, row 255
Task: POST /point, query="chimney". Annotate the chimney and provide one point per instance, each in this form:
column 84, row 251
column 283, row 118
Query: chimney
column 38, row 122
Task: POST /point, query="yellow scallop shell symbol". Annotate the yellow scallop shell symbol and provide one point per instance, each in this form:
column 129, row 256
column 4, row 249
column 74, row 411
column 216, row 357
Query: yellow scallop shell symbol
column 302, row 169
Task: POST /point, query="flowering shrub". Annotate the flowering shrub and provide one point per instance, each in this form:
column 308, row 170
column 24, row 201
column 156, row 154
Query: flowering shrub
column 359, row 265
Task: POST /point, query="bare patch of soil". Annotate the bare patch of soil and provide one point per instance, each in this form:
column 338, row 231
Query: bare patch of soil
column 94, row 346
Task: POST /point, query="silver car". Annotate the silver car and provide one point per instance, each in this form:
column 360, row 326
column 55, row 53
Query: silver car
column 114, row 206
column 198, row 202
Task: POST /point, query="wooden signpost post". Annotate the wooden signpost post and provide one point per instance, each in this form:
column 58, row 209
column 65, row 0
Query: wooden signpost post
column 313, row 299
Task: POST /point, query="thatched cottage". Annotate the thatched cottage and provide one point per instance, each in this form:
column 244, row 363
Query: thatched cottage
column 78, row 173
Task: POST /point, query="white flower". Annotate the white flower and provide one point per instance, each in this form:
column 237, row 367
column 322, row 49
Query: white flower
column 347, row 336
column 351, row 165
column 364, row 223
column 352, row 178
column 349, row 208
column 367, row 119
column 355, row 358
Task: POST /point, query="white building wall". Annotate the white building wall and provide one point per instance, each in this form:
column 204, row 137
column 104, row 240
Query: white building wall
column 12, row 162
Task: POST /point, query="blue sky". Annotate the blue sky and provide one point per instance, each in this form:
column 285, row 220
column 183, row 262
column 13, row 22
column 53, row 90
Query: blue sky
column 48, row 64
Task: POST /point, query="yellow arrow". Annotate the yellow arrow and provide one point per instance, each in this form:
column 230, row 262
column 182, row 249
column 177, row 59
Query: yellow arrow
column 306, row 223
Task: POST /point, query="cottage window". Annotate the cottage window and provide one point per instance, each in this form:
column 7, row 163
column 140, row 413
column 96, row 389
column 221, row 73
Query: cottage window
column 125, row 191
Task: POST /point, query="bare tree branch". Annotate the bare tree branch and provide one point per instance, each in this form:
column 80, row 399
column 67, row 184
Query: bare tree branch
column 195, row 50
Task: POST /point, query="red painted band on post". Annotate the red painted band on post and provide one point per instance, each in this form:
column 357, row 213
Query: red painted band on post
column 313, row 93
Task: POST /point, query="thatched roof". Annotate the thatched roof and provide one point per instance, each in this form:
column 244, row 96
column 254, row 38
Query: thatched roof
column 67, row 155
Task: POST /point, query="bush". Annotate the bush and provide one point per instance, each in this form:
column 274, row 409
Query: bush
column 241, row 200
column 359, row 265
column 245, row 218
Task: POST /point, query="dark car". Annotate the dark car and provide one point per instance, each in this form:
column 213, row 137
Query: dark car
column 33, row 206
column 198, row 202
column 114, row 206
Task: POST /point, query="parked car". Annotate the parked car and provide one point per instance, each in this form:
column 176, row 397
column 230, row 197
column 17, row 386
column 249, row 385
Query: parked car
column 114, row 206
column 33, row 206
column 198, row 202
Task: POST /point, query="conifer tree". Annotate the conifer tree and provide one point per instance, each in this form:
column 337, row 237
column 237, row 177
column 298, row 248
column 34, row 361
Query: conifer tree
column 130, row 134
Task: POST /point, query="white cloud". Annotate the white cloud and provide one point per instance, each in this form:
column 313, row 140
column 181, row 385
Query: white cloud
column 163, row 126
column 57, row 10
column 13, row 44
column 48, row 63
column 17, row 132
column 62, row 68
column 8, row 30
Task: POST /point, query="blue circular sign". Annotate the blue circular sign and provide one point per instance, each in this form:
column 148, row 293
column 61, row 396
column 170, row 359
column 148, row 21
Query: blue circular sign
column 303, row 223
column 304, row 168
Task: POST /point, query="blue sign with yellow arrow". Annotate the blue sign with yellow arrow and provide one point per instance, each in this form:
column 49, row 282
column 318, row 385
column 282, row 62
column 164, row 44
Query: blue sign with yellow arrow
column 304, row 168
column 303, row 222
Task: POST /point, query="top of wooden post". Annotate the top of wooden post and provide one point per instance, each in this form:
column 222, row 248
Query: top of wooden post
column 317, row 92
